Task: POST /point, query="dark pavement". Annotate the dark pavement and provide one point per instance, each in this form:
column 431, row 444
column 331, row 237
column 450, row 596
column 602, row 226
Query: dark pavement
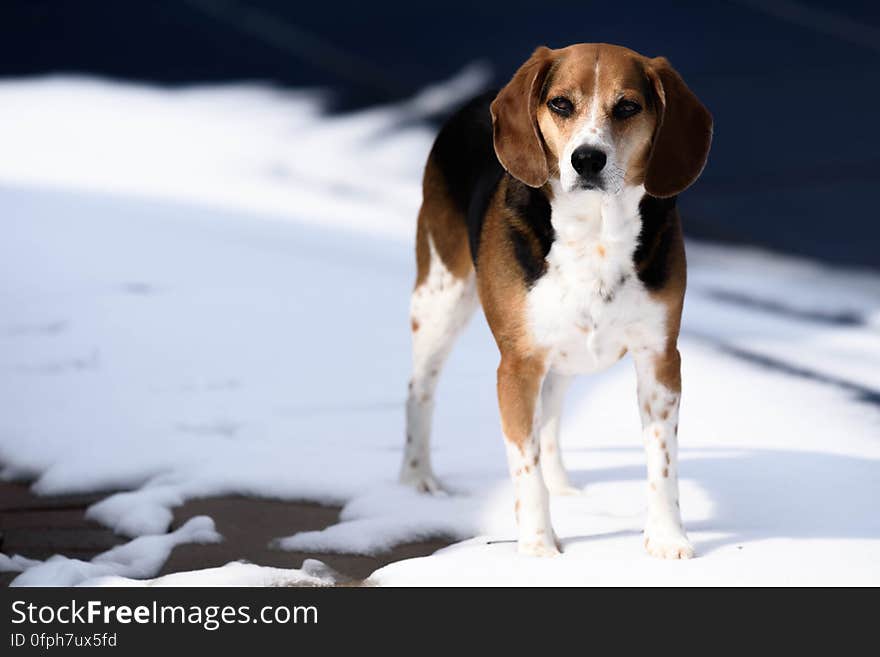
column 41, row 526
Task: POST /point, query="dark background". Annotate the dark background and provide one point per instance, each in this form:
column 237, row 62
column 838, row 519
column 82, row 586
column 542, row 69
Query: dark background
column 793, row 86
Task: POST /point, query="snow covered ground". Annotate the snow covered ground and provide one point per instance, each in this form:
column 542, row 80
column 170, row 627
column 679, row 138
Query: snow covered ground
column 205, row 292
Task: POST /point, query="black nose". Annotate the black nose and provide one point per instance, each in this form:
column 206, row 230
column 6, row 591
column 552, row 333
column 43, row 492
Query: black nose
column 588, row 161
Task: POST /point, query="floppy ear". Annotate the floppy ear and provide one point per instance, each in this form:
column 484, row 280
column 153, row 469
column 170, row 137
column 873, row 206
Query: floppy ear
column 517, row 139
column 683, row 133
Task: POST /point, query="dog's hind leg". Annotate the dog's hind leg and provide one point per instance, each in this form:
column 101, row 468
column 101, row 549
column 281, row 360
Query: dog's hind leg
column 552, row 395
column 442, row 302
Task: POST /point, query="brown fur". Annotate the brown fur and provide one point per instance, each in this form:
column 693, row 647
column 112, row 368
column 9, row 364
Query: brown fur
column 444, row 223
column 503, row 295
column 683, row 137
column 500, row 282
column 518, row 142
column 667, row 365
column 519, row 384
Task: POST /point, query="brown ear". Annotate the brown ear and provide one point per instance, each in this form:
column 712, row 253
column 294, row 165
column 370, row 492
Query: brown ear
column 683, row 133
column 518, row 142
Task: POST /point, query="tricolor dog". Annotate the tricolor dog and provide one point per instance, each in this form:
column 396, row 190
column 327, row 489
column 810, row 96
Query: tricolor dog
column 552, row 204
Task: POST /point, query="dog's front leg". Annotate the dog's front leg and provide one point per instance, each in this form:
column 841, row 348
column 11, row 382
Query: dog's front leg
column 659, row 383
column 519, row 393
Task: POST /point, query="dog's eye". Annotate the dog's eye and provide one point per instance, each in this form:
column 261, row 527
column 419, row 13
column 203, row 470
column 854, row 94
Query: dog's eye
column 561, row 105
column 625, row 109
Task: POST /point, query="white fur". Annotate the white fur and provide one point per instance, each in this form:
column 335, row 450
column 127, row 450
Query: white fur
column 536, row 537
column 589, row 306
column 552, row 395
column 441, row 307
column 664, row 533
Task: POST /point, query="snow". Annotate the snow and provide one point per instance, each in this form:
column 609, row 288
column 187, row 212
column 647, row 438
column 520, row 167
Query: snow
column 247, row 147
column 205, row 292
column 138, row 558
column 313, row 573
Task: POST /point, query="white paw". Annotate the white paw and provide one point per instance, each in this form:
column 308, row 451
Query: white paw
column 538, row 547
column 423, row 482
column 668, row 545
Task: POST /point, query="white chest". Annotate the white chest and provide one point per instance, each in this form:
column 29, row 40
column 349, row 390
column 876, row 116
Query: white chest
column 590, row 307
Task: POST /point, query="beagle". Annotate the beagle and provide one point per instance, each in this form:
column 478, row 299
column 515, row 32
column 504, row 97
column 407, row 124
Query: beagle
column 552, row 204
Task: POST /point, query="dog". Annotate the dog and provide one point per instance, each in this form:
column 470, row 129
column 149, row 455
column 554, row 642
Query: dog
column 553, row 205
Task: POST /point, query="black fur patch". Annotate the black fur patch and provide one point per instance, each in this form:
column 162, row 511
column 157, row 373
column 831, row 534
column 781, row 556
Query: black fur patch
column 465, row 155
column 532, row 265
column 652, row 256
column 476, row 212
column 530, row 205
column 532, row 232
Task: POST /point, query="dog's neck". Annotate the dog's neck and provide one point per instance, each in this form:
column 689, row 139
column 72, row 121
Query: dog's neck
column 581, row 214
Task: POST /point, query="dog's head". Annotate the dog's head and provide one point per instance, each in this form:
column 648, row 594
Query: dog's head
column 601, row 117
